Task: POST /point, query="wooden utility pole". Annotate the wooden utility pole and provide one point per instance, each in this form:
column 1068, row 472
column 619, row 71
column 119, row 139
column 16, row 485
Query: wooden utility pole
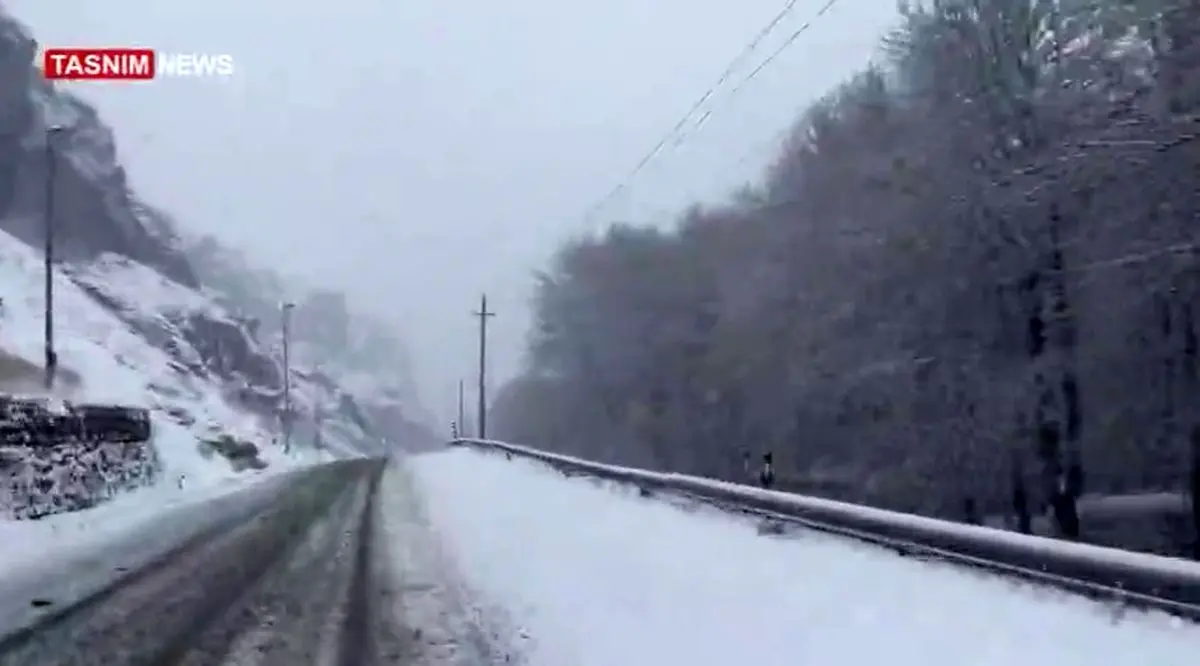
column 51, row 369
column 483, row 315
column 462, row 413
column 286, row 332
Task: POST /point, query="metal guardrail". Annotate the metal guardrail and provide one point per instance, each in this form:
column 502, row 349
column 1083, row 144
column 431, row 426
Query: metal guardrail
column 1133, row 579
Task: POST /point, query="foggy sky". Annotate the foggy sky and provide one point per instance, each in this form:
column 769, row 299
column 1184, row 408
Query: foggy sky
column 419, row 152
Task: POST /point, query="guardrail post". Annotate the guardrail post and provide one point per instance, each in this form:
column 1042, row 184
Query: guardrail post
column 1194, row 488
column 1020, row 503
column 971, row 512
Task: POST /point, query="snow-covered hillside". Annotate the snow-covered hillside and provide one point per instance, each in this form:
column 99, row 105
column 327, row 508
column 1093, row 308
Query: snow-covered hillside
column 115, row 364
column 136, row 325
column 126, row 334
column 214, row 352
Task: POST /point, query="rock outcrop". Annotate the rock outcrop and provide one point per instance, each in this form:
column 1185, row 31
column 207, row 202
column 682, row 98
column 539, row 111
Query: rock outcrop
column 71, row 475
column 240, row 454
column 209, row 342
column 70, row 458
column 59, row 163
column 93, row 209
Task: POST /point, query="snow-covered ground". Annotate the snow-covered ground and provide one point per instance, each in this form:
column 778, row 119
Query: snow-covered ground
column 599, row 576
column 30, row 542
column 115, row 364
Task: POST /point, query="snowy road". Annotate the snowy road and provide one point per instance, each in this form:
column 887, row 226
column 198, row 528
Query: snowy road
column 464, row 559
column 325, row 568
column 594, row 575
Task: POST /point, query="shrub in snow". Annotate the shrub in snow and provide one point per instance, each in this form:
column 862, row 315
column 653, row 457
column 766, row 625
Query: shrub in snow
column 241, row 454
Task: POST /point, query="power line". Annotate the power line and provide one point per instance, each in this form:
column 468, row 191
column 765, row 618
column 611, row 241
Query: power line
column 700, row 101
column 782, row 47
column 787, row 43
column 679, row 140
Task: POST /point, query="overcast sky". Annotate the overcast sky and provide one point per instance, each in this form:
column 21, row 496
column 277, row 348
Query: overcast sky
column 419, row 152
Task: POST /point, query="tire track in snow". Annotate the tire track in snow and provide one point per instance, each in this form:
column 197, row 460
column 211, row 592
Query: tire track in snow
column 285, row 586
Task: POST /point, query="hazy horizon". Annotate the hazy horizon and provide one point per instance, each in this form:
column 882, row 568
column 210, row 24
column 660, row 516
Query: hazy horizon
column 417, row 156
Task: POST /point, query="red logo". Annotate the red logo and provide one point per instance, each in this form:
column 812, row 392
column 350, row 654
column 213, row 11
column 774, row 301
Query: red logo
column 103, row 64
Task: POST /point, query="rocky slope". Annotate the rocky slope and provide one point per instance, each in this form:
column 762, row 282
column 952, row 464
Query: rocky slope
column 136, row 323
column 94, row 209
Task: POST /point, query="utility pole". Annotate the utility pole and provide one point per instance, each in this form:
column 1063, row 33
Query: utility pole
column 483, row 315
column 52, row 134
column 318, row 424
column 462, row 414
column 285, row 317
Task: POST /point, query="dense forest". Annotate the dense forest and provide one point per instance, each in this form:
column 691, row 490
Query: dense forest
column 968, row 276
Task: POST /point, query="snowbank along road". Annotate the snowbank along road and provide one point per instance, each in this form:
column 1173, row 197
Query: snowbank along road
column 459, row 558
column 597, row 575
column 325, row 566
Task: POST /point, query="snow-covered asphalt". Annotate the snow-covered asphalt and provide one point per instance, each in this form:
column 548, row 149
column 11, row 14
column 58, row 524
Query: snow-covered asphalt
column 326, row 567
column 459, row 558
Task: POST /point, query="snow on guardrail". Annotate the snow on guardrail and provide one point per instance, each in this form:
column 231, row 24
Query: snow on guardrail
column 1164, row 583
